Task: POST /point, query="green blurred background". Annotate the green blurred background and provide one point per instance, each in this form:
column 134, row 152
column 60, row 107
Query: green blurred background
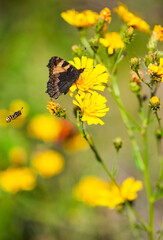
column 31, row 32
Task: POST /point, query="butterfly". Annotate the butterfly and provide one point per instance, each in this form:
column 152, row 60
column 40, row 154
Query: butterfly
column 61, row 76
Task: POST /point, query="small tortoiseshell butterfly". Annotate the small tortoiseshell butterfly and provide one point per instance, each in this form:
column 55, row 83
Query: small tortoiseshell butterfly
column 61, row 76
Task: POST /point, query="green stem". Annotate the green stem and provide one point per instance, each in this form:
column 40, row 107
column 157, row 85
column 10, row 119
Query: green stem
column 118, row 101
column 117, row 61
column 99, row 159
column 114, row 166
column 125, row 118
column 147, row 179
column 149, row 190
column 143, row 80
column 86, row 44
column 136, row 214
column 93, row 148
column 159, row 122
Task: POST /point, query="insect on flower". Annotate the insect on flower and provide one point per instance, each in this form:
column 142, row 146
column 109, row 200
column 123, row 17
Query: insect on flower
column 14, row 116
column 61, row 76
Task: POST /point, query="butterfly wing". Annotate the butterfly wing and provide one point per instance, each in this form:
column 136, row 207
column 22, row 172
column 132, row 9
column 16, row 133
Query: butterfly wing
column 61, row 76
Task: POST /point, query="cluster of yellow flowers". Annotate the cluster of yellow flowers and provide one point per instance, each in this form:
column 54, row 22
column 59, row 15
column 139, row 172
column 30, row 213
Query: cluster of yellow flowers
column 156, row 72
column 96, row 192
column 91, row 103
column 131, row 19
column 17, row 178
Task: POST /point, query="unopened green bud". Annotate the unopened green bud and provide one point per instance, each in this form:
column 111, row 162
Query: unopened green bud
column 135, row 87
column 99, row 26
column 78, row 50
column 117, row 143
column 152, row 58
column 94, row 44
column 135, row 63
column 158, row 134
column 128, row 35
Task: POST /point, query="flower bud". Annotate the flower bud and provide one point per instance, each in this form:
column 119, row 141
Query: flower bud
column 128, row 35
column 152, row 58
column 135, row 63
column 155, row 103
column 94, row 44
column 158, row 134
column 78, row 50
column 152, row 44
column 135, row 87
column 117, row 143
column 135, row 83
column 99, row 26
column 105, row 14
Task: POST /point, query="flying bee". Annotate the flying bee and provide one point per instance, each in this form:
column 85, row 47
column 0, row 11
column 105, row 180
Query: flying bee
column 14, row 116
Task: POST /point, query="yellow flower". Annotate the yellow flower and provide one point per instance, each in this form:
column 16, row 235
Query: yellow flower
column 95, row 192
column 131, row 19
column 129, row 188
column 86, row 18
column 155, row 103
column 3, row 115
column 48, row 163
column 92, row 78
column 106, row 14
column 158, row 30
column 156, row 71
column 16, row 179
column 113, row 41
column 44, row 127
column 16, row 105
column 55, row 108
column 17, row 155
column 75, row 143
column 92, row 106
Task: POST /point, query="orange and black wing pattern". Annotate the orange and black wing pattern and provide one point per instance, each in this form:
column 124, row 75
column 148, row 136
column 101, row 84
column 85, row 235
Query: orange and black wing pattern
column 61, row 76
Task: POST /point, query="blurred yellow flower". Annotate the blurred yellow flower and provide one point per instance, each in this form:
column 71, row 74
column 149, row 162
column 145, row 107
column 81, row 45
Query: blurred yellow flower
column 92, row 106
column 129, row 189
column 75, row 143
column 113, row 41
column 16, row 179
column 44, row 127
column 106, row 14
column 92, row 78
column 48, row 163
column 85, row 18
column 3, row 115
column 158, row 30
column 156, row 71
column 95, row 192
column 131, row 19
column 16, row 105
column 17, row 155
